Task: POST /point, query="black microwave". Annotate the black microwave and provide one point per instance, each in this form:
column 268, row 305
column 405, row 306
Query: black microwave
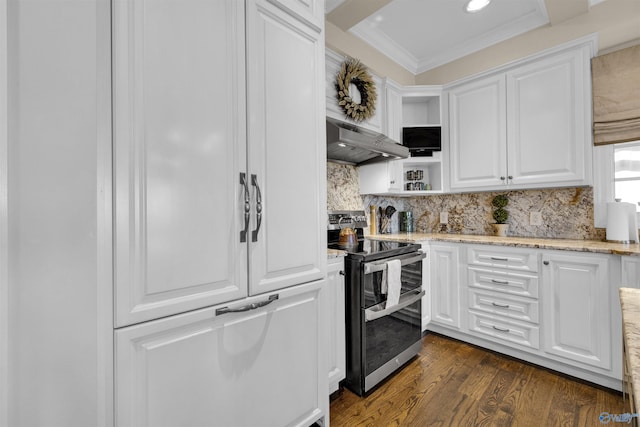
column 422, row 141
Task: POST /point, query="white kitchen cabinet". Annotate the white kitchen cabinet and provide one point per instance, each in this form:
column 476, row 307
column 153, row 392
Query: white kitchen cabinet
column 206, row 367
column 336, row 342
column 445, row 285
column 526, row 126
column 393, row 110
column 630, row 269
column 576, row 308
column 426, row 286
column 381, row 178
column 333, row 64
column 477, row 129
column 189, row 179
column 286, row 147
column 502, row 291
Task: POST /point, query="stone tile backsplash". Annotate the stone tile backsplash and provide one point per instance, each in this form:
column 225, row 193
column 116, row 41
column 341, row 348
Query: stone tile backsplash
column 567, row 213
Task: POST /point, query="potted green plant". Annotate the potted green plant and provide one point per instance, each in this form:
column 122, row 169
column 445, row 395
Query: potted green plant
column 500, row 215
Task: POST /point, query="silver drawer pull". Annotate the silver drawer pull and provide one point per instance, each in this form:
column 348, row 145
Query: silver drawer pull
column 500, row 305
column 500, row 282
column 252, row 306
column 495, row 258
column 500, row 329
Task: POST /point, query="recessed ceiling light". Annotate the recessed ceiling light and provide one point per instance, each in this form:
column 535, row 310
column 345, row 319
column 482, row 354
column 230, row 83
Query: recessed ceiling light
column 476, row 5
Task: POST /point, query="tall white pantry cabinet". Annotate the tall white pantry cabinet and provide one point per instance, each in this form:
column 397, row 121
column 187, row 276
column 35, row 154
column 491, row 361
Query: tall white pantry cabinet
column 163, row 240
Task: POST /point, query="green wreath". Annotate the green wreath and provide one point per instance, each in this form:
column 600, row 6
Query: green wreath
column 353, row 72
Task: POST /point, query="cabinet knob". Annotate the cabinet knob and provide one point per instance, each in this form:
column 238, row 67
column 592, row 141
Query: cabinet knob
column 510, row 177
column 342, row 273
column 502, row 178
column 545, row 262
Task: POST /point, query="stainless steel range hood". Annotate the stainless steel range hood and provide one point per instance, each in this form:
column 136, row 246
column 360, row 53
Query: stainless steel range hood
column 347, row 143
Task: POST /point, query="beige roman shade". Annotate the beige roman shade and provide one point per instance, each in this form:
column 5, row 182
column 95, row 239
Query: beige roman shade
column 616, row 96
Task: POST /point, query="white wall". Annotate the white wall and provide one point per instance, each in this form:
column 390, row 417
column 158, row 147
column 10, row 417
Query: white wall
column 615, row 21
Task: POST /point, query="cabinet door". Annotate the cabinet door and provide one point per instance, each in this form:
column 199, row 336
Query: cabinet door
column 333, row 64
column 478, row 134
column 445, row 292
column 179, row 145
column 577, row 320
column 393, row 108
column 630, row 272
column 381, row 178
column 253, row 368
column 548, row 116
column 287, row 149
column 336, row 343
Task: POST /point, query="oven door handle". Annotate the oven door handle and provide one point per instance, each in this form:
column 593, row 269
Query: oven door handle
column 379, row 310
column 372, row 267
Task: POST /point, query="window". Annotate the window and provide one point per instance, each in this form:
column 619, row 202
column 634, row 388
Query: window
column 627, row 172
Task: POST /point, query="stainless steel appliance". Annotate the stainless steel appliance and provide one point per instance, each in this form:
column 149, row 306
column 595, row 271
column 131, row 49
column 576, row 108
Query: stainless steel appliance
column 380, row 340
column 351, row 144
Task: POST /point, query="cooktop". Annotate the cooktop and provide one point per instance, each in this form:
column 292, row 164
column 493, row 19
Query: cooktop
column 376, row 249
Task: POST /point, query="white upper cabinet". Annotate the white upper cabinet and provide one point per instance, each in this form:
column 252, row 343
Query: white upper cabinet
column 333, row 64
column 549, row 121
column 478, row 140
column 527, row 126
column 181, row 150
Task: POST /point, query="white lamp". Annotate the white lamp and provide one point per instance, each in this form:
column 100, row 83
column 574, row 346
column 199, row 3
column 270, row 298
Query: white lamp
column 473, row 6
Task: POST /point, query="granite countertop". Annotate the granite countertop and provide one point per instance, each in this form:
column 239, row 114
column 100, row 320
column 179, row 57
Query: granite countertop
column 335, row 253
column 523, row 242
column 630, row 304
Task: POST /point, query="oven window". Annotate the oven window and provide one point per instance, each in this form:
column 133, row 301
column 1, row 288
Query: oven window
column 390, row 335
column 410, row 277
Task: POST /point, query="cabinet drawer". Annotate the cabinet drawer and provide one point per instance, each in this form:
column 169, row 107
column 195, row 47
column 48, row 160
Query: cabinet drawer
column 525, row 285
column 504, row 305
column 512, row 259
column 504, row 330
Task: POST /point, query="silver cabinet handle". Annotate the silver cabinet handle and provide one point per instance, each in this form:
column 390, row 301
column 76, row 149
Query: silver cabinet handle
column 495, row 258
column 545, row 262
column 500, row 282
column 254, row 182
column 502, row 178
column 500, row 329
column 500, row 305
column 510, row 177
column 252, row 306
column 247, row 206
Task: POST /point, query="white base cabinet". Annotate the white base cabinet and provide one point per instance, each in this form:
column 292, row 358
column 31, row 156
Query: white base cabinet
column 577, row 308
column 251, row 368
column 557, row 309
column 336, row 341
column 445, row 291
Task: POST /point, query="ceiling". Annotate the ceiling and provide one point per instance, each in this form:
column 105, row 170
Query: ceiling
column 424, row 34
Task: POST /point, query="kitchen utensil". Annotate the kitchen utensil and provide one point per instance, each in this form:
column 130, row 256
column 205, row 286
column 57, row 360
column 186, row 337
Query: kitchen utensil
column 389, row 211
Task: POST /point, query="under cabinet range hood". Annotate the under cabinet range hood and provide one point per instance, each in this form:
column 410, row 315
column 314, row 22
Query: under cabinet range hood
column 347, row 143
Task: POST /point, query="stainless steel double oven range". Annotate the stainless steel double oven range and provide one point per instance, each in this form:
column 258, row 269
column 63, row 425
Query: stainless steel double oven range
column 380, row 340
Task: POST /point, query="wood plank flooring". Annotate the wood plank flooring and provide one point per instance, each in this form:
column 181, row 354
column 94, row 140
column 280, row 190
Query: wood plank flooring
column 452, row 383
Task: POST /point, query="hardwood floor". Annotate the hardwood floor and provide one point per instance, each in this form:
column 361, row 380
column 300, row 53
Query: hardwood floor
column 452, row 383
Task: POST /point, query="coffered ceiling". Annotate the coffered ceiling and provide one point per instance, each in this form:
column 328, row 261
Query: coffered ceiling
column 424, row 34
